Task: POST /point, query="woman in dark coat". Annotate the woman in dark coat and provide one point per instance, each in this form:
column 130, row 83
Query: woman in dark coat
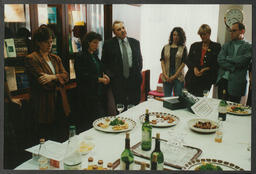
column 202, row 63
column 91, row 82
column 47, row 78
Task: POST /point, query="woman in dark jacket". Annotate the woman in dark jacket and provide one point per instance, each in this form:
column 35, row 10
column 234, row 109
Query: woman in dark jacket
column 91, row 81
column 202, row 63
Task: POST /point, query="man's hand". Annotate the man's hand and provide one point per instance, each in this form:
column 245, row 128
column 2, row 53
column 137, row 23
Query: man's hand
column 46, row 78
column 171, row 79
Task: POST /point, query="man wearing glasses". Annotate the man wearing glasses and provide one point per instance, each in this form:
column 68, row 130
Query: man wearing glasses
column 233, row 60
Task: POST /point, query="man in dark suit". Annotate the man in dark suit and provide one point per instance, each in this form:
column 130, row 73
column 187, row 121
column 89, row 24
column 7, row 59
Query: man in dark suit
column 122, row 59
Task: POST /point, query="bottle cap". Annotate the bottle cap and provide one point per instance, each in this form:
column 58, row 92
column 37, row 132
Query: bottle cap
column 90, row 159
column 110, row 165
column 127, row 135
column 100, row 162
column 158, row 135
column 146, row 111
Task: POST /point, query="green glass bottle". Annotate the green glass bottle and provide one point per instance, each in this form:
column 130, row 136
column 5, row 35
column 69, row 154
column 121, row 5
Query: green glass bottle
column 158, row 153
column 154, row 162
column 127, row 158
column 146, row 134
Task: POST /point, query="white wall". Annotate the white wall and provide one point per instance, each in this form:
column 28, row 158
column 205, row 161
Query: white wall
column 131, row 17
column 157, row 21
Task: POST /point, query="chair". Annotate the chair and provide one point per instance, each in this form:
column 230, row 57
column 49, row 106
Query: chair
column 145, row 85
column 159, row 91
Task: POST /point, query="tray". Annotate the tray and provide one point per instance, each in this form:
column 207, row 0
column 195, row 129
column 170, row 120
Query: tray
column 161, row 119
column 176, row 159
column 223, row 164
column 131, row 124
column 136, row 166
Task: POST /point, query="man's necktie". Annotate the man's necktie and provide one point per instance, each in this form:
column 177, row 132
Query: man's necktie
column 125, row 61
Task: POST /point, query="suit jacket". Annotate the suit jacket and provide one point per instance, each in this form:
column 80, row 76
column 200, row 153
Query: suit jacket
column 112, row 60
column 87, row 76
column 236, row 65
column 43, row 97
column 210, row 60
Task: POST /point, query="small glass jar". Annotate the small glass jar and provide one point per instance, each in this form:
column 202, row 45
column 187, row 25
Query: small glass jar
column 219, row 132
column 90, row 163
column 109, row 166
column 100, row 164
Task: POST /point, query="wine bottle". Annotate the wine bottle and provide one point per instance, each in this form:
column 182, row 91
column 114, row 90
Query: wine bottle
column 146, row 133
column 127, row 159
column 158, row 153
column 223, row 106
column 154, row 162
column 43, row 162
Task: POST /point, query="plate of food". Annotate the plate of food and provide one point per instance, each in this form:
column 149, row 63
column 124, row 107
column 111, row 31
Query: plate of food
column 114, row 124
column 238, row 109
column 211, row 165
column 203, row 125
column 160, row 119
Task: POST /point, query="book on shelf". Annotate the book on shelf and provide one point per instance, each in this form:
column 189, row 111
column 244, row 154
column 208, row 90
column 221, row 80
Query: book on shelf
column 11, row 78
column 22, row 80
column 20, row 47
column 10, row 47
column 5, row 51
column 72, row 69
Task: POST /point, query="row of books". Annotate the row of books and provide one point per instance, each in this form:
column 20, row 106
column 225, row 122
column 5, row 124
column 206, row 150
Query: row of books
column 15, row 47
column 16, row 78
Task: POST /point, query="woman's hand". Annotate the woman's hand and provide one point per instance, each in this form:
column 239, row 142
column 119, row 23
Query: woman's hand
column 46, row 78
column 197, row 72
column 17, row 101
column 204, row 69
column 171, row 79
column 107, row 78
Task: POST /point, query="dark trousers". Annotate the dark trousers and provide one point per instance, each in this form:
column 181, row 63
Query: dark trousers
column 126, row 92
column 223, row 85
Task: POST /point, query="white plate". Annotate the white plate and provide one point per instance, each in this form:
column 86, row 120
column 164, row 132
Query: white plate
column 247, row 108
column 226, row 166
column 160, row 121
column 130, row 122
column 192, row 122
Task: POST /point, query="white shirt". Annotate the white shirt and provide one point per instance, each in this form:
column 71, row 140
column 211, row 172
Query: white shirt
column 51, row 66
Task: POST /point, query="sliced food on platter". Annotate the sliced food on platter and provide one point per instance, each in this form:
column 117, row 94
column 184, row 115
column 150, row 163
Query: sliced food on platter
column 160, row 119
column 202, row 125
column 114, row 124
column 238, row 109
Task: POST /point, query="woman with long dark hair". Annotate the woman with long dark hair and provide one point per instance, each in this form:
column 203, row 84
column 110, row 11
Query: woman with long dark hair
column 172, row 62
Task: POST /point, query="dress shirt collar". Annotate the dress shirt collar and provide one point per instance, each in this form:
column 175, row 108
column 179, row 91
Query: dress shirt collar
column 120, row 40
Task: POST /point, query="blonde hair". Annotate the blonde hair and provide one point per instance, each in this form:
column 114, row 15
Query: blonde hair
column 116, row 22
column 204, row 29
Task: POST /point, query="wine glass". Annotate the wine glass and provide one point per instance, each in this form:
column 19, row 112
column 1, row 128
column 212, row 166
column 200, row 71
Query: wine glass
column 120, row 108
column 206, row 93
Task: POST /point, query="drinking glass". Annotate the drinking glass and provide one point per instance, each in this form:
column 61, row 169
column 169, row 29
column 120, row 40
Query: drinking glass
column 206, row 93
column 120, row 108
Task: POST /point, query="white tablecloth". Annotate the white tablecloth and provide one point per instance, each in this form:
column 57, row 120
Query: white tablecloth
column 236, row 137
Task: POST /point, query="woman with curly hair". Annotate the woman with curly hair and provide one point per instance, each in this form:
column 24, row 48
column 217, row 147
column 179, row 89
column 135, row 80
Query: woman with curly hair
column 172, row 62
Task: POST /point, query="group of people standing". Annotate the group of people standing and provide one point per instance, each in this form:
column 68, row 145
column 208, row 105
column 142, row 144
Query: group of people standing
column 119, row 72
column 208, row 64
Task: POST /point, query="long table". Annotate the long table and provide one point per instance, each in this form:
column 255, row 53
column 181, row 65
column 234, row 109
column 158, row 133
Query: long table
column 236, row 137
